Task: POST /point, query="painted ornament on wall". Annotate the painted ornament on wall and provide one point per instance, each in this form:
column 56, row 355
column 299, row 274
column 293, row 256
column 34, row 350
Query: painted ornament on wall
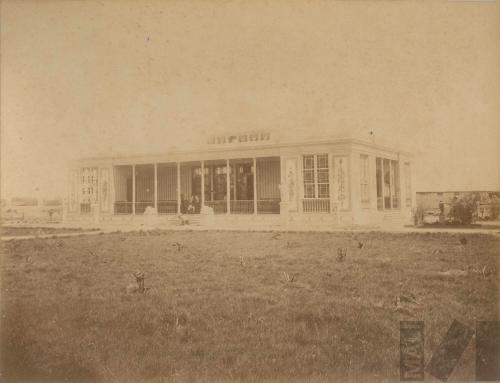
column 291, row 183
column 73, row 195
column 341, row 182
column 89, row 185
column 104, row 190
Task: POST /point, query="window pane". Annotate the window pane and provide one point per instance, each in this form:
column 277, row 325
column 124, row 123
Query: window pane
column 322, row 176
column 309, row 162
column 309, row 191
column 322, row 161
column 323, row 191
column 308, row 176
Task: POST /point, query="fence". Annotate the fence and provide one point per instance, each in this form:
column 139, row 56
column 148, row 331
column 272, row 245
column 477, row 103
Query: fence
column 316, row 205
column 271, row 206
column 242, row 206
column 123, row 207
column 220, row 207
column 167, row 207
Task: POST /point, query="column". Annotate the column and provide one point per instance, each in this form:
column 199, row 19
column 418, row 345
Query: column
column 178, row 187
column 202, row 183
column 383, row 181
column 372, row 167
column 399, row 183
column 254, row 185
column 331, row 177
column 391, row 185
column 156, row 187
column 228, row 188
column 354, row 185
column 133, row 189
column 299, row 187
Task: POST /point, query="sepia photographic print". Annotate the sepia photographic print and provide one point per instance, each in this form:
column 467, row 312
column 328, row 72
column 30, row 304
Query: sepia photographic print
column 249, row 191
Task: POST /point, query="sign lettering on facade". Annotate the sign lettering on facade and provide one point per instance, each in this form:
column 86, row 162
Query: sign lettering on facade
column 239, row 138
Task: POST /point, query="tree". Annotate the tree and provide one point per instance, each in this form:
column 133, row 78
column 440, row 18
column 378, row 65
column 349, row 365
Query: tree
column 462, row 210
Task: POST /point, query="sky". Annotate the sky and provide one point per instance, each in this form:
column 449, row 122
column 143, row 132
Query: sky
column 85, row 78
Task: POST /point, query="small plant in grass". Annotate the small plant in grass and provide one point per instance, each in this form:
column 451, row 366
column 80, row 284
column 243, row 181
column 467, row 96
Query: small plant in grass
column 341, row 254
column 138, row 286
column 288, row 278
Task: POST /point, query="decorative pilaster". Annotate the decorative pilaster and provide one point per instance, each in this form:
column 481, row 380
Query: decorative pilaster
column 254, row 185
column 331, row 175
column 133, row 189
column 228, row 188
column 202, row 183
column 178, row 188
column 156, row 187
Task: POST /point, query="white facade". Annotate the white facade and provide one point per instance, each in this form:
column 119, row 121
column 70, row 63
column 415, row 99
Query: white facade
column 328, row 183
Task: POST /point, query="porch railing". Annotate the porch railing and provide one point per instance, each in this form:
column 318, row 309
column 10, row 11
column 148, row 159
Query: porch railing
column 395, row 202
column 271, row 206
column 316, row 205
column 123, row 207
column 242, row 206
column 167, row 207
column 140, row 207
column 85, row 208
column 380, row 203
column 387, row 203
column 220, row 207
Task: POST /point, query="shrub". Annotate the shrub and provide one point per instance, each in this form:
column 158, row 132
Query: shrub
column 462, row 210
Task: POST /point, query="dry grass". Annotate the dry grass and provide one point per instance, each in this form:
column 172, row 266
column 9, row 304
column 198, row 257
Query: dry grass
column 235, row 306
column 19, row 231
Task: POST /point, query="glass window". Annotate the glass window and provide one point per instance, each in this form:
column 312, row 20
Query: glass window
column 309, row 176
column 322, row 161
column 309, row 162
column 316, row 176
column 309, row 191
column 388, row 189
column 323, row 191
column 322, row 176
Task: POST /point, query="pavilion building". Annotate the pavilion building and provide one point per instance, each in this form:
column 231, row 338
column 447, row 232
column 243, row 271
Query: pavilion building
column 249, row 179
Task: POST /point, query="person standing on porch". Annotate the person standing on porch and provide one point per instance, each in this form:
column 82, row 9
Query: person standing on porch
column 184, row 205
column 197, row 204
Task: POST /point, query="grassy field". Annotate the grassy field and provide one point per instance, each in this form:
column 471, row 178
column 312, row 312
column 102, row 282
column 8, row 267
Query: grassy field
column 236, row 306
column 20, row 231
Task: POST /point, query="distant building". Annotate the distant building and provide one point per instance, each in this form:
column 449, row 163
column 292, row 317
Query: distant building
column 23, row 201
column 250, row 178
column 52, row 202
column 487, row 206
